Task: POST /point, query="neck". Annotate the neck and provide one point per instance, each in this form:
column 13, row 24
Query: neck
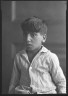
column 34, row 51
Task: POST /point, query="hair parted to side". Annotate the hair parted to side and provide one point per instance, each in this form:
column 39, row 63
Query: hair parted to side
column 34, row 24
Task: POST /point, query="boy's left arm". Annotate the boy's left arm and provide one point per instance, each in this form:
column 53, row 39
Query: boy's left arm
column 57, row 75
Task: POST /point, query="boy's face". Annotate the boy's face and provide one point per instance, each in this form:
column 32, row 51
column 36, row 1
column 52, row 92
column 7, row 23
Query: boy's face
column 34, row 40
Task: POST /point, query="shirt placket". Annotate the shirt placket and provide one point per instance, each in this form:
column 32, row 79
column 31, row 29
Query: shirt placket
column 31, row 66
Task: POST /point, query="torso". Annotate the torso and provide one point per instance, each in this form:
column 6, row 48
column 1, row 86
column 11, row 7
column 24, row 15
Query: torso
column 31, row 55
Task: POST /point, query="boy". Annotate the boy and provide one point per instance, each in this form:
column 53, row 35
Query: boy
column 36, row 69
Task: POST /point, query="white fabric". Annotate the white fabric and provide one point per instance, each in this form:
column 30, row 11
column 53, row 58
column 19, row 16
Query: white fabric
column 44, row 71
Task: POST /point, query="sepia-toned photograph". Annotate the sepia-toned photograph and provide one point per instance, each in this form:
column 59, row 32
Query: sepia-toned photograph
column 33, row 47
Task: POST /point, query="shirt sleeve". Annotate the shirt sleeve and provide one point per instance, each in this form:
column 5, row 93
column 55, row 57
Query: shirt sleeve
column 15, row 76
column 58, row 75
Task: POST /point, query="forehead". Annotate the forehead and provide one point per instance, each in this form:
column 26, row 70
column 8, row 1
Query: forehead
column 30, row 32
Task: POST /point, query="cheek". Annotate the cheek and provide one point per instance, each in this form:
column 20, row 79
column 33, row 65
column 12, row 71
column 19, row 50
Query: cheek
column 38, row 41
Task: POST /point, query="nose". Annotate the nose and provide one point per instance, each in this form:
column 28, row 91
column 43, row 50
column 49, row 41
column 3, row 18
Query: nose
column 29, row 37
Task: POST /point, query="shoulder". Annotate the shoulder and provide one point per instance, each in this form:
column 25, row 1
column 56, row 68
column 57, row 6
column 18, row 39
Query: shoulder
column 20, row 54
column 53, row 55
column 54, row 60
column 49, row 54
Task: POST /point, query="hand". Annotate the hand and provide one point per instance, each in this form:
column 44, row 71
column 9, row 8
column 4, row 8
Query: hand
column 22, row 92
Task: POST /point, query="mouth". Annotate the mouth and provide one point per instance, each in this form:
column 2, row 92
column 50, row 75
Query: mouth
column 28, row 44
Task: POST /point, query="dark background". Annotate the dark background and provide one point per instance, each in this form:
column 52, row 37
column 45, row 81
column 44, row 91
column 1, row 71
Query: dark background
column 54, row 12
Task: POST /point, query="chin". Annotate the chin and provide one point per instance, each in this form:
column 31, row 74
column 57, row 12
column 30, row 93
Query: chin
column 30, row 49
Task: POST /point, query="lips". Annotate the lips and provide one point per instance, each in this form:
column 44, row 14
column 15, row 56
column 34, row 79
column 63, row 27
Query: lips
column 28, row 44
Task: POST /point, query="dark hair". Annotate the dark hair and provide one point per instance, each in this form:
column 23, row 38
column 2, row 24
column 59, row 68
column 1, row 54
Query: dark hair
column 34, row 24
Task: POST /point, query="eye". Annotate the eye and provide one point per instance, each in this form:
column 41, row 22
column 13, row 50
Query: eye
column 34, row 34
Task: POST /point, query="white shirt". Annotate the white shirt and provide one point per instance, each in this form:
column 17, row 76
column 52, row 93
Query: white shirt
column 43, row 74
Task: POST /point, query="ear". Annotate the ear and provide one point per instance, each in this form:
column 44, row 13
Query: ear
column 44, row 37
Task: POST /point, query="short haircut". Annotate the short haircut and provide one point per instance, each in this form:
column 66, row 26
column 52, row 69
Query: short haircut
column 34, row 24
